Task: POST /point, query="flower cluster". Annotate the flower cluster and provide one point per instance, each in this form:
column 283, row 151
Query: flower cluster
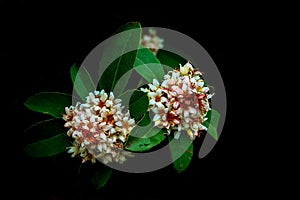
column 152, row 41
column 99, row 128
column 180, row 102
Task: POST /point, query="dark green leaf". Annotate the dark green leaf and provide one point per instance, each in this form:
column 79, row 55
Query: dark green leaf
column 73, row 72
column 208, row 116
column 121, row 85
column 144, row 138
column 148, row 66
column 122, row 82
column 212, row 123
column 170, row 59
column 124, row 62
column 125, row 96
column 117, row 73
column 48, row 147
column 181, row 152
column 145, row 120
column 44, row 129
column 52, row 103
column 83, row 83
column 138, row 104
column 100, row 177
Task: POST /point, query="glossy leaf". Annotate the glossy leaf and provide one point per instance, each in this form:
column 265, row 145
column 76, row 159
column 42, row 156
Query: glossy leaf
column 44, row 129
column 124, row 61
column 82, row 81
column 170, row 59
column 48, row 147
column 144, row 138
column 122, row 82
column 145, row 120
column 182, row 149
column 138, row 104
column 52, row 103
column 125, row 97
column 148, row 66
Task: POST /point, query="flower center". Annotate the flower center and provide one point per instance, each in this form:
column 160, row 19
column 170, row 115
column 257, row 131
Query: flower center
column 157, row 98
column 110, row 119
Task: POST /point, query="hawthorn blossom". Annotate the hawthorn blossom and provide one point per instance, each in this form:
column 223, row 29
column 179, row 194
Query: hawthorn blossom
column 152, row 41
column 99, row 128
column 180, row 102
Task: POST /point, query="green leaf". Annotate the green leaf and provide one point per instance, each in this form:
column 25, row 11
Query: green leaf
column 44, row 129
column 148, row 66
column 215, row 116
column 212, row 131
column 83, row 83
column 124, row 62
column 115, row 71
column 125, row 96
column 100, row 177
column 128, row 26
column 170, row 59
column 212, row 123
column 73, row 72
column 181, row 152
column 138, row 104
column 122, row 82
column 145, row 120
column 144, row 138
column 52, row 103
column 48, row 147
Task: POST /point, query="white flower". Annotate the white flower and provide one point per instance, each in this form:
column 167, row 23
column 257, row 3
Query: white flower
column 180, row 102
column 160, row 117
column 156, row 97
column 154, row 86
column 152, row 41
column 145, row 90
column 184, row 70
column 99, row 128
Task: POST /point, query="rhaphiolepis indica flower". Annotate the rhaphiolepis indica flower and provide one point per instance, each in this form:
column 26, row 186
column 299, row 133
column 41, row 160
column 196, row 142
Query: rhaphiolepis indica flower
column 99, row 128
column 152, row 41
column 180, row 102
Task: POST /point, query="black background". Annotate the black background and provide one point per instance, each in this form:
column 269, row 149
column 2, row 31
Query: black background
column 41, row 42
